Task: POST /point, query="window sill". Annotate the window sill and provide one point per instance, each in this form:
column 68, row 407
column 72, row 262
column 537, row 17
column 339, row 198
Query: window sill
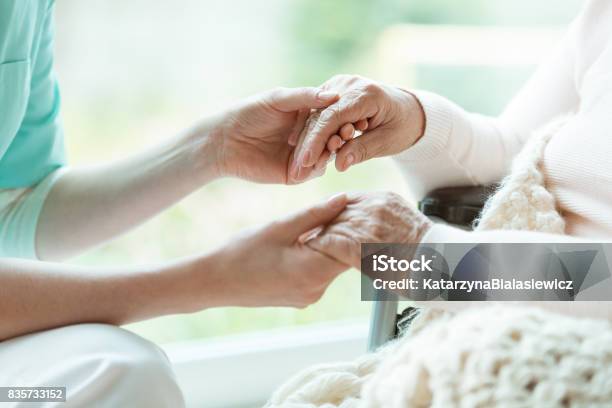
column 243, row 371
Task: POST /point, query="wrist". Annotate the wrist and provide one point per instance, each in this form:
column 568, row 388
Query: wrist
column 422, row 229
column 206, row 143
column 175, row 287
column 189, row 285
column 210, row 280
column 413, row 116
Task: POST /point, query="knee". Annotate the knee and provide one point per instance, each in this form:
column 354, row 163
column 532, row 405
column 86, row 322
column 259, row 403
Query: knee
column 123, row 370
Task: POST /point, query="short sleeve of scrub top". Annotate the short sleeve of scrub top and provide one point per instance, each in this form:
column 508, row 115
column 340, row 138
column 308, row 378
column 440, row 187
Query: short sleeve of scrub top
column 31, row 137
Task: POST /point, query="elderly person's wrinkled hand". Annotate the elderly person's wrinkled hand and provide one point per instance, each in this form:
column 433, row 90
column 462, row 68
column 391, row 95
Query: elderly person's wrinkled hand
column 390, row 119
column 371, row 218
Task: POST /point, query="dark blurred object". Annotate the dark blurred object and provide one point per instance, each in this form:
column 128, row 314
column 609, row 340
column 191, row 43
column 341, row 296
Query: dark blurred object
column 458, row 206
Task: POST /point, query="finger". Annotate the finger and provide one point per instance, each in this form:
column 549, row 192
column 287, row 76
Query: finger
column 294, row 168
column 303, row 221
column 300, row 121
column 360, row 149
column 347, row 132
column 332, row 118
column 301, row 174
column 308, row 235
column 334, row 143
column 338, row 247
column 314, row 173
column 293, row 99
column 307, row 173
column 322, row 163
column 362, row 125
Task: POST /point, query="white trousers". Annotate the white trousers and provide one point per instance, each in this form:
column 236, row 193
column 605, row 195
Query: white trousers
column 100, row 366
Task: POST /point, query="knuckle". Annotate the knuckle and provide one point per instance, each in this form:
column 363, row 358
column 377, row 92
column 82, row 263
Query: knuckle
column 372, row 88
column 392, row 197
column 347, row 79
column 330, row 113
column 355, row 78
column 275, row 95
column 360, row 150
column 350, row 103
column 380, row 211
column 378, row 230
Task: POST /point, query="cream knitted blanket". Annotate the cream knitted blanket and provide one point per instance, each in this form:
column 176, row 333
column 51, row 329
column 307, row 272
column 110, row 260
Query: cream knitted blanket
column 482, row 357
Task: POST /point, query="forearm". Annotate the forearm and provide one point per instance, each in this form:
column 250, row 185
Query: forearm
column 40, row 295
column 90, row 205
column 458, row 148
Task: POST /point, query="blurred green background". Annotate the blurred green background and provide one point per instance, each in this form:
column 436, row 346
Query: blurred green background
column 135, row 72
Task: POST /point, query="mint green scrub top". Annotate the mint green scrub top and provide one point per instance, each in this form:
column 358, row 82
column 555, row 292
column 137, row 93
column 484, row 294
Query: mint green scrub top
column 31, row 137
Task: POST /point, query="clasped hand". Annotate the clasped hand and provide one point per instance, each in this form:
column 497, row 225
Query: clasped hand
column 269, row 139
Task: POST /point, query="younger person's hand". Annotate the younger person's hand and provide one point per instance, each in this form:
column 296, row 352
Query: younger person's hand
column 271, row 266
column 256, row 139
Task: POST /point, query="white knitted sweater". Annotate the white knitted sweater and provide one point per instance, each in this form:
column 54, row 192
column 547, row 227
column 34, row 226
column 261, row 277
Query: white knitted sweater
column 462, row 148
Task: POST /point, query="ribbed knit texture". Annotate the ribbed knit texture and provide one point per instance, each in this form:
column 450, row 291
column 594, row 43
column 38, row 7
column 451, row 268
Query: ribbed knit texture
column 438, row 128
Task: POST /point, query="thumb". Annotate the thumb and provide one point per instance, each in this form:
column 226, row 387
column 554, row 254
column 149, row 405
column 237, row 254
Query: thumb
column 306, row 220
column 294, row 99
column 369, row 145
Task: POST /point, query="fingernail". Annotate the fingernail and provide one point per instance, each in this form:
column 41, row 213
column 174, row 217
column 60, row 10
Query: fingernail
column 337, row 200
column 310, row 235
column 350, row 159
column 306, row 158
column 294, row 171
column 326, row 95
column 298, row 172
